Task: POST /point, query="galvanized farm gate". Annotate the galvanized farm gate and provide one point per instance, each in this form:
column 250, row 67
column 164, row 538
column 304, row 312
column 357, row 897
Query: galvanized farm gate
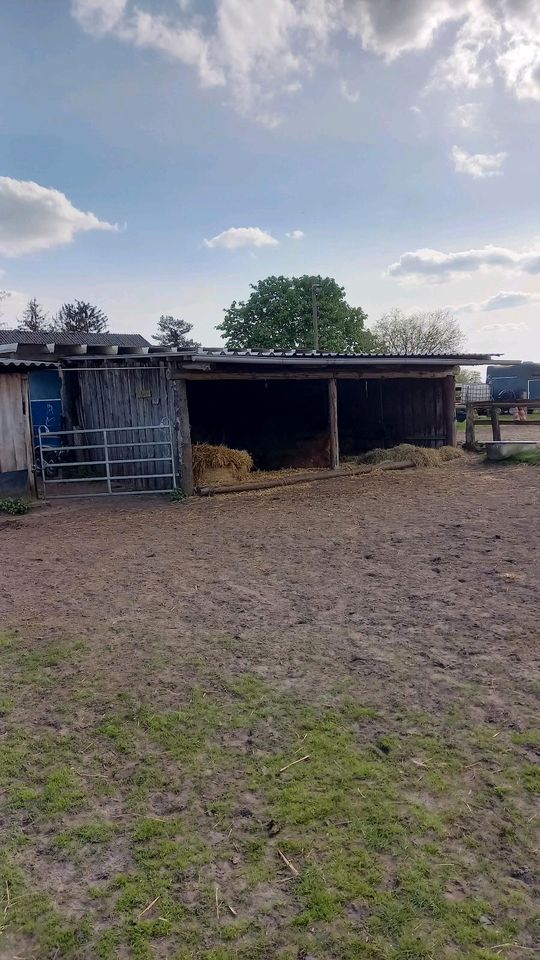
column 87, row 456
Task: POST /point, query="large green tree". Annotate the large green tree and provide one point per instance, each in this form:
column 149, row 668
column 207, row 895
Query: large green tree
column 80, row 317
column 279, row 314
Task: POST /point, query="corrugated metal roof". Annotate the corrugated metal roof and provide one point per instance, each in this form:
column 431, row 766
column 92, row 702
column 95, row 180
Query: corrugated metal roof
column 329, row 355
column 42, row 337
column 24, row 364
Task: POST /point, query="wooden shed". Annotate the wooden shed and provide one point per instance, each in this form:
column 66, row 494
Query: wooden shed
column 16, row 446
column 287, row 408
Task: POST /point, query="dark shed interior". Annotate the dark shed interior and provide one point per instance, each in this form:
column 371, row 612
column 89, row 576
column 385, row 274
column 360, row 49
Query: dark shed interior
column 285, row 422
column 281, row 423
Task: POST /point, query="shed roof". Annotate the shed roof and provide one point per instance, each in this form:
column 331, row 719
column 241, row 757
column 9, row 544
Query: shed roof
column 316, row 359
column 43, row 337
column 22, row 365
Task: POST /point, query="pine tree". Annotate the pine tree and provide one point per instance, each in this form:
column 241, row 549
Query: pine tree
column 172, row 332
column 34, row 317
column 80, row 317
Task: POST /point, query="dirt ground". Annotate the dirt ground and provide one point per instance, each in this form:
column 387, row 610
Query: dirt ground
column 510, row 431
column 346, row 561
column 413, row 594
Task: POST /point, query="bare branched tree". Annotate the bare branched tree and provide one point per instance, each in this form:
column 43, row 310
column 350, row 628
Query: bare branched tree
column 433, row 331
column 4, row 294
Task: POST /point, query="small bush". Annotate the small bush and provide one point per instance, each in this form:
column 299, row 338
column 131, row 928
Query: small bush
column 177, row 495
column 14, row 505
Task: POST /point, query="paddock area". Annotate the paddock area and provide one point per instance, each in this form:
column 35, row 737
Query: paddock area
column 295, row 723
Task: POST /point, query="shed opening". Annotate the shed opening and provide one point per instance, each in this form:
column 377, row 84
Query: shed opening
column 281, row 423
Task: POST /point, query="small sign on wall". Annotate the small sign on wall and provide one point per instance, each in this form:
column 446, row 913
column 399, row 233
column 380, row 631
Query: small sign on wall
column 144, row 394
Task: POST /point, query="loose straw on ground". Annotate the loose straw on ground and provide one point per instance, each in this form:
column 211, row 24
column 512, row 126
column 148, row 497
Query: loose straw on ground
column 287, row 862
column 292, row 763
column 149, row 907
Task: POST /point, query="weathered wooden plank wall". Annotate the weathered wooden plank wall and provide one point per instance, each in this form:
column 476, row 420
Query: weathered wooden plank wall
column 15, row 434
column 112, row 396
column 413, row 411
column 386, row 412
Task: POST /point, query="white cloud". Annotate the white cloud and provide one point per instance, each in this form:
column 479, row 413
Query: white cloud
column 33, row 217
column 504, row 300
column 260, row 49
column 434, row 265
column 295, row 235
column 478, row 165
column 508, row 299
column 99, row 16
column 351, row 96
column 505, row 326
column 236, row 237
column 467, row 116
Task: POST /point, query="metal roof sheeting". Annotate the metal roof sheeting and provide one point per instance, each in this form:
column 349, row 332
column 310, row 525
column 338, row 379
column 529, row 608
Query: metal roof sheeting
column 25, row 364
column 329, row 355
column 43, row 337
column 312, row 358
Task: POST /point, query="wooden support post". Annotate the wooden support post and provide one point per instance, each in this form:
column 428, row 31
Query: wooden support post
column 183, row 436
column 449, row 401
column 469, row 427
column 333, row 419
column 495, row 425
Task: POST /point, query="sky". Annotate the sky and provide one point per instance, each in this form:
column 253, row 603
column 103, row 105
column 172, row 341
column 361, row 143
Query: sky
column 159, row 156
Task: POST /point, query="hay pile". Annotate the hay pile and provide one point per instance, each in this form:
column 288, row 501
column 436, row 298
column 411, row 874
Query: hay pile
column 420, row 456
column 218, row 464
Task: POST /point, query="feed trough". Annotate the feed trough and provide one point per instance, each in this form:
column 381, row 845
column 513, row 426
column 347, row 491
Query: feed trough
column 502, row 449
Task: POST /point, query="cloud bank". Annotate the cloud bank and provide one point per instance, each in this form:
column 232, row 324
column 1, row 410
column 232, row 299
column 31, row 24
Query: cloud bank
column 236, row 237
column 436, row 266
column 34, row 218
column 256, row 48
column 505, row 300
column 478, row 165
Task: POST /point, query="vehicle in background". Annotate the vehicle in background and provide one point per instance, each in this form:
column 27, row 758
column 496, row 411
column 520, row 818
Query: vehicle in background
column 516, row 382
column 471, row 393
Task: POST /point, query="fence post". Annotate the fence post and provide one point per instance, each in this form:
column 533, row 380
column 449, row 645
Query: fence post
column 42, row 464
column 107, row 464
column 495, row 425
column 469, row 427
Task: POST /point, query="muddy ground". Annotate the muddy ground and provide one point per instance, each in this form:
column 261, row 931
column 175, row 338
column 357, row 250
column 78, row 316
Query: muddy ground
column 412, row 594
column 393, row 565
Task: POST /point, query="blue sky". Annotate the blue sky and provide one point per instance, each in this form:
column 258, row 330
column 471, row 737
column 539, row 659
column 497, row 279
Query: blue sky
column 400, row 141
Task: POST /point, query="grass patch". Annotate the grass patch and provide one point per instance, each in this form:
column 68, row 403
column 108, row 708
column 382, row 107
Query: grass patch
column 531, row 457
column 169, row 821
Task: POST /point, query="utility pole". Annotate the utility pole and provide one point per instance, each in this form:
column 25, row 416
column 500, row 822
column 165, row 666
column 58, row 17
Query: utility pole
column 315, row 287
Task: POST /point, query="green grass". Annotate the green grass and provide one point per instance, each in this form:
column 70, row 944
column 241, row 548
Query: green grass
column 529, row 456
column 127, row 834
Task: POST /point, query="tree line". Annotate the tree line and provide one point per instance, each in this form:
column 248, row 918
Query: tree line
column 279, row 314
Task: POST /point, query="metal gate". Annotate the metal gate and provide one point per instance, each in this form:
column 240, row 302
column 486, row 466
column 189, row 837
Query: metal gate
column 94, row 456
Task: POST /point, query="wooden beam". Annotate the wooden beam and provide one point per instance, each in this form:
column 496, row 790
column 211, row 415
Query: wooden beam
column 28, row 442
column 449, row 401
column 183, row 434
column 188, row 374
column 333, row 423
column 469, row 428
column 495, row 425
column 305, row 478
column 488, row 404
